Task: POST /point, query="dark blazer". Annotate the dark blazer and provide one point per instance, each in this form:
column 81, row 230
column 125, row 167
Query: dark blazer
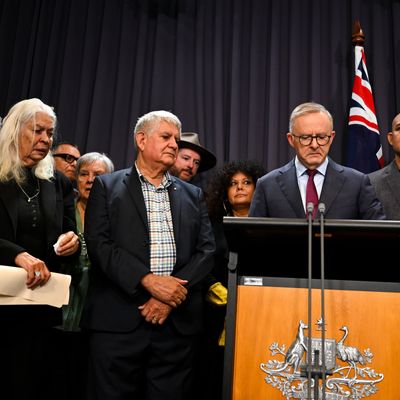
column 346, row 193
column 386, row 182
column 57, row 206
column 117, row 238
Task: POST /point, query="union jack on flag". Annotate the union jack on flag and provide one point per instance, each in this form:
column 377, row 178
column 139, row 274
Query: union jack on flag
column 364, row 151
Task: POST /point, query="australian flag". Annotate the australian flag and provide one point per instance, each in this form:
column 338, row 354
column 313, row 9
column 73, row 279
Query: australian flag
column 364, row 150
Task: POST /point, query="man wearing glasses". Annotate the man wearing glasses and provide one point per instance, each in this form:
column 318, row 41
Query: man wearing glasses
column 65, row 157
column 313, row 177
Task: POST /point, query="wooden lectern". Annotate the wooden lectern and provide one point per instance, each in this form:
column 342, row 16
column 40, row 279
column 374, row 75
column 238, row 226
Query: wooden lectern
column 268, row 308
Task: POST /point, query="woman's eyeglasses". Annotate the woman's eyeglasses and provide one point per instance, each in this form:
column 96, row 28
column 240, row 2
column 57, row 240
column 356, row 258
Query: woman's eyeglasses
column 66, row 157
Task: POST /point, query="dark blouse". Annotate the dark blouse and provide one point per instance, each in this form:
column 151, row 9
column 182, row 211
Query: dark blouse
column 23, row 227
column 30, row 224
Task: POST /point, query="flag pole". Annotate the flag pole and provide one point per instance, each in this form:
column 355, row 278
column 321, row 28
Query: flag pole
column 358, row 39
column 364, row 149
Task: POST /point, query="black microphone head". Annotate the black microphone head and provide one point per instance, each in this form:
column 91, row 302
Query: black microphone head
column 310, row 207
column 321, row 208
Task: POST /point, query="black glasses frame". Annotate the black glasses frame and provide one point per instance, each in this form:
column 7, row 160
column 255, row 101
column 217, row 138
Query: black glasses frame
column 306, row 140
column 66, row 157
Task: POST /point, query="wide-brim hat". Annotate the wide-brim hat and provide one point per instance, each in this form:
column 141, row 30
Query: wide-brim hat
column 190, row 140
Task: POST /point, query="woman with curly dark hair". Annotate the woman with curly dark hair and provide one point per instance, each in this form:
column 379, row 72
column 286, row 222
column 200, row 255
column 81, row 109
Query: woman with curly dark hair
column 231, row 190
column 229, row 194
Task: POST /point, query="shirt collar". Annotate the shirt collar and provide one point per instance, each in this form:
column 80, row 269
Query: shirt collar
column 166, row 181
column 301, row 169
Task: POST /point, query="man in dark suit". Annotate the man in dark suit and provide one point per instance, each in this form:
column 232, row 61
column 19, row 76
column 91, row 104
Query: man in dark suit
column 151, row 245
column 346, row 193
column 386, row 181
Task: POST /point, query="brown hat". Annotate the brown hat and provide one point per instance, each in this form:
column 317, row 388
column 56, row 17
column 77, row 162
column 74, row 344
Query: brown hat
column 190, row 140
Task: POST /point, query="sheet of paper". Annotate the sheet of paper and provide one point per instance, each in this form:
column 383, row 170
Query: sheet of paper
column 13, row 288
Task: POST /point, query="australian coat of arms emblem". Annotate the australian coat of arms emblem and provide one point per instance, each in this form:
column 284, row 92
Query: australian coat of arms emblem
column 346, row 374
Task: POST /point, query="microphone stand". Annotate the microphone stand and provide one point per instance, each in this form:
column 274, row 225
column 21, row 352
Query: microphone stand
column 310, row 210
column 321, row 209
column 313, row 369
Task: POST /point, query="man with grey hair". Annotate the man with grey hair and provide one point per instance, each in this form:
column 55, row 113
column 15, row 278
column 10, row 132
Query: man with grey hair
column 312, row 177
column 151, row 245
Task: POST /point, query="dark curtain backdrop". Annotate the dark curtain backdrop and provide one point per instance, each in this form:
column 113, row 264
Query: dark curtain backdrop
column 232, row 70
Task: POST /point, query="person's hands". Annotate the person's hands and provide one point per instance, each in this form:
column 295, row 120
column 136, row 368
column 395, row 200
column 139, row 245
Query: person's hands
column 67, row 244
column 155, row 311
column 37, row 271
column 168, row 289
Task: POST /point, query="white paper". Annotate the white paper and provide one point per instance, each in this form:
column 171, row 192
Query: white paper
column 13, row 288
column 56, row 245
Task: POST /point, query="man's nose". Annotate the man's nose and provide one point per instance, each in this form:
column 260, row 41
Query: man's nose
column 314, row 141
column 190, row 164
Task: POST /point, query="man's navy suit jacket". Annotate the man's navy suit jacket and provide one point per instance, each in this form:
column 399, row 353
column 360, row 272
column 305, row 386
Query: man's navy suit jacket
column 346, row 193
column 117, row 237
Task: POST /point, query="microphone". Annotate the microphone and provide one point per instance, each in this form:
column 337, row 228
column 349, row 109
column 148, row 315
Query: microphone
column 321, row 208
column 310, row 208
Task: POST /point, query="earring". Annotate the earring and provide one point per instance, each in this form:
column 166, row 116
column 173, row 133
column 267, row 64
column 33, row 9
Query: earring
column 224, row 204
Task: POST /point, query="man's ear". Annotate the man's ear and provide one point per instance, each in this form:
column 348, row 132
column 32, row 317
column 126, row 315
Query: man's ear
column 140, row 138
column 290, row 138
column 389, row 137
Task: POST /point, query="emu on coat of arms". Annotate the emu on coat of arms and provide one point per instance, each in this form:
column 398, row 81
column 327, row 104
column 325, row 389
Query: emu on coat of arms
column 351, row 379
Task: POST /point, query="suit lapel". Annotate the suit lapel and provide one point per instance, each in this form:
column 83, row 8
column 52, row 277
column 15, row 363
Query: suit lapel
column 287, row 181
column 132, row 182
column 174, row 193
column 333, row 183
